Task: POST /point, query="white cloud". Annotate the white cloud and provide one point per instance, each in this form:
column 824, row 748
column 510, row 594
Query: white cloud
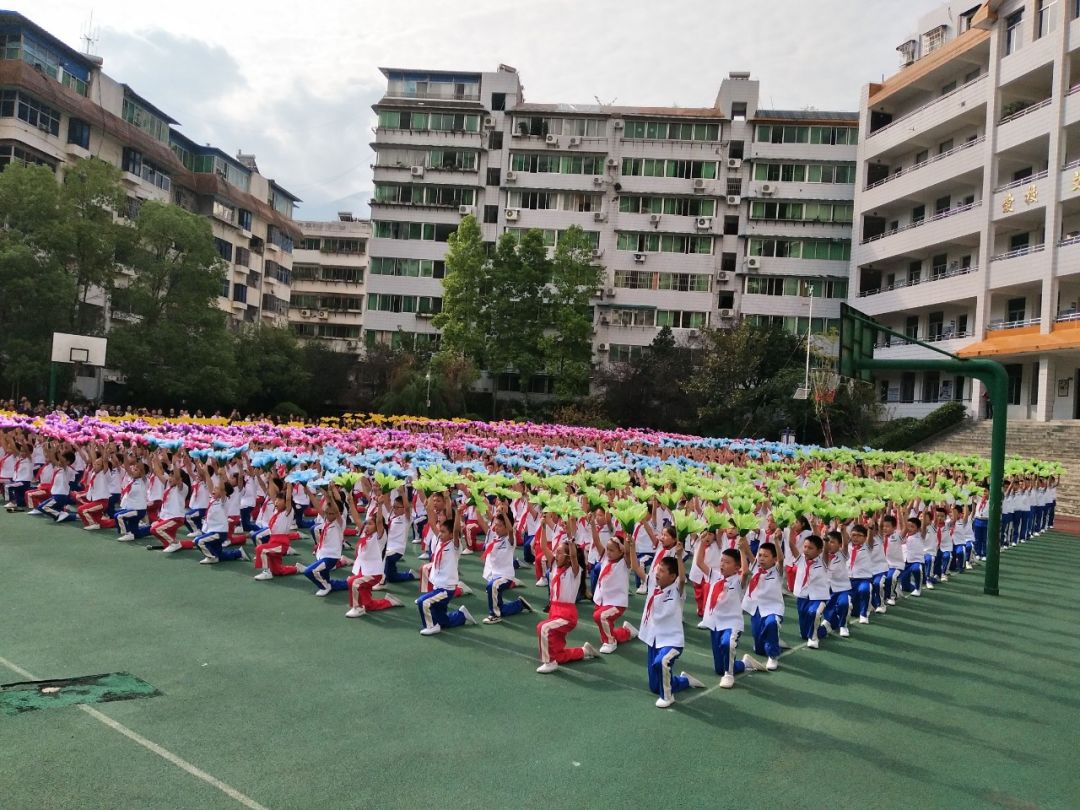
column 294, row 83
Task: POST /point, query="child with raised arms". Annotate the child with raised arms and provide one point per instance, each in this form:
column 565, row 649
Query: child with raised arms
column 662, row 630
column 330, row 539
column 368, row 568
column 434, row 605
column 498, row 560
column 564, row 565
column 611, row 595
column 811, row 590
column 723, row 603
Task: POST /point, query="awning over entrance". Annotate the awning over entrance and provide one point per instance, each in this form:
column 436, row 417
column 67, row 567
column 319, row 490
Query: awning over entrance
column 1025, row 340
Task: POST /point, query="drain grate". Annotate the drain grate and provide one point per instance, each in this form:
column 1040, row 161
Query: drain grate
column 28, row 696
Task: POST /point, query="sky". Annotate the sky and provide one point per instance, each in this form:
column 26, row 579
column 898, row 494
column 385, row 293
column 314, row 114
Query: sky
column 294, row 82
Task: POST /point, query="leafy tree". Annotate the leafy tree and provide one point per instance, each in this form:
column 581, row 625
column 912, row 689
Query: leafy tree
column 270, row 368
column 172, row 345
column 464, row 318
column 568, row 343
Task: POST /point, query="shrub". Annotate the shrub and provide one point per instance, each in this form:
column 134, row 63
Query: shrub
column 288, row 409
column 904, row 434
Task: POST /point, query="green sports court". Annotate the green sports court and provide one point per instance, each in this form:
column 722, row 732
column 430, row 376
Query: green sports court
column 258, row 694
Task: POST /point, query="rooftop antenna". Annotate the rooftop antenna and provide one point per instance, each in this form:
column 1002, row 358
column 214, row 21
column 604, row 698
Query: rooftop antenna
column 90, row 35
column 608, row 104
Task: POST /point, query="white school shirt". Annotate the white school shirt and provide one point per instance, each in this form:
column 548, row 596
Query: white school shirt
column 764, row 592
column 232, row 503
column 662, row 619
column 605, row 535
column 38, row 455
column 155, row 490
column 711, row 561
column 46, row 475
column 79, row 464
column 861, row 564
column 249, row 494
column 563, row 585
column 116, row 481
column 914, row 548
column 498, row 557
column 894, row 549
column 939, row 538
column 280, row 522
column 960, row 532
column 300, row 496
column 199, row 497
column 723, row 602
column 172, row 501
column 397, row 533
column 7, row 466
column 650, row 578
column 61, row 482
column 879, row 564
column 811, row 578
column 133, row 494
column 662, row 517
column 839, row 576
column 369, row 555
column 217, row 519
column 643, row 544
column 613, row 584
column 331, row 537
column 419, row 508
column 24, row 471
column 444, row 565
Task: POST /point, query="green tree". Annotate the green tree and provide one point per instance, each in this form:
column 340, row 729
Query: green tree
column 568, row 343
column 270, row 368
column 464, row 319
column 172, row 345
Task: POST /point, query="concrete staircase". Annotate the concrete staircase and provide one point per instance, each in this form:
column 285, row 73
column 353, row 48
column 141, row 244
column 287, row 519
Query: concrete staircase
column 1051, row 441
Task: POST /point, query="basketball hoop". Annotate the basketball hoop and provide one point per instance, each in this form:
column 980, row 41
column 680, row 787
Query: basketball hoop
column 824, row 382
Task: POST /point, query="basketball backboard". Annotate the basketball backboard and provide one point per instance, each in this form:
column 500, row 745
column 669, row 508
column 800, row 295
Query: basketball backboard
column 89, row 351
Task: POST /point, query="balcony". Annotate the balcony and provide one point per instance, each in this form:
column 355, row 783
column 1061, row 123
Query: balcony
column 1020, row 196
column 933, row 113
column 1068, row 257
column 932, row 289
column 1019, row 266
column 1024, row 125
column 948, row 340
column 939, row 228
column 438, row 91
column 427, row 137
column 1002, row 325
column 960, row 159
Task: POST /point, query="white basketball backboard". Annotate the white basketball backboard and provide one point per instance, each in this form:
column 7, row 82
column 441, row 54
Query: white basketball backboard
column 90, row 351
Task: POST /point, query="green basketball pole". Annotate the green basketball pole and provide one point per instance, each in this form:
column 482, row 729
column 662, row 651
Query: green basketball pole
column 52, row 383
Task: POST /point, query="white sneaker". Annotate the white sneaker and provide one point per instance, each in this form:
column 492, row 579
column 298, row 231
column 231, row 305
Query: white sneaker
column 394, row 601
column 468, row 616
column 772, row 664
column 35, row 512
column 466, row 551
column 465, row 589
column 664, row 703
column 751, row 663
column 380, row 586
column 491, row 619
column 209, row 561
column 890, row 601
column 641, row 590
column 844, row 632
column 172, row 548
column 916, row 592
column 541, row 583
column 608, row 647
column 633, row 630
column 812, row 643
column 424, row 556
column 866, row 619
column 944, row 577
column 828, row 627
column 91, row 527
column 547, row 667
column 968, row 565
column 727, row 681
column 929, row 586
column 127, row 537
column 589, row 650
column 63, row 516
column 244, row 556
column 702, row 625
column 355, row 613
column 694, row 682
column 430, row 631
column 784, row 645
column 880, row 609
column 526, row 607
column 323, row 591
column 262, row 576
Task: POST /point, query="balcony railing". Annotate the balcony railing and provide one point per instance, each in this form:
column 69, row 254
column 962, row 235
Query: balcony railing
column 949, row 272
column 1069, row 240
column 443, row 91
column 927, row 105
column 1022, row 112
column 936, row 336
column 1068, row 315
column 1017, row 252
column 918, row 223
column 934, row 159
column 1000, row 324
column 1023, row 181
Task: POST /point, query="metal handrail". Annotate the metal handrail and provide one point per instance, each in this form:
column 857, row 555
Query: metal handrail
column 940, row 215
column 1024, row 251
column 1028, row 109
column 928, row 104
column 1023, row 181
column 934, row 159
column 952, row 272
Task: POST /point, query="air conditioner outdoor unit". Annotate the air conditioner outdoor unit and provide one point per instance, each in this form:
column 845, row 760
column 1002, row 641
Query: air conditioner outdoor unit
column 753, row 262
column 602, row 347
column 323, row 314
column 511, row 214
column 768, row 188
column 733, row 199
column 425, row 315
column 617, row 123
column 598, row 181
column 466, row 209
column 699, row 184
column 597, row 253
column 599, row 216
column 575, row 140
column 489, row 122
column 721, row 275
column 612, row 163
column 704, row 223
column 305, row 313
column 609, row 292
column 734, row 163
column 417, row 171
column 727, row 313
column 511, row 176
column 639, row 258
column 351, row 345
column 654, row 219
column 551, row 140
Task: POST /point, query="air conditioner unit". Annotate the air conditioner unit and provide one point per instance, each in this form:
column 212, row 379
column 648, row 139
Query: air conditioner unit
column 734, row 163
column 654, row 219
column 699, row 184
column 721, row 275
column 733, row 199
column 602, row 347
column 609, row 292
column 639, row 258
column 511, row 176
column 466, row 209
column 305, row 313
column 753, row 262
column 597, row 253
column 703, row 223
column 612, row 163
column 575, row 140
column 351, row 345
column 551, row 139
column 511, row 215
column 599, row 216
column 489, row 122
column 598, row 181
column 617, row 123
column 727, row 313
column 417, row 171
column 425, row 316
column 323, row 314
column 768, row 188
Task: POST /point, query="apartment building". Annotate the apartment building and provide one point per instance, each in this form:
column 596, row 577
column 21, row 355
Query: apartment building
column 968, row 204
column 699, row 216
column 57, row 106
column 328, row 274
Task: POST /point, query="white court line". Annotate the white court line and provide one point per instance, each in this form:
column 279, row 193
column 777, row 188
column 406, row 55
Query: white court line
column 716, row 686
column 152, row 746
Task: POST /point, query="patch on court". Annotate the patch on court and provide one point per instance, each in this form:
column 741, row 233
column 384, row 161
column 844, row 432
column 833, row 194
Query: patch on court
column 28, row 696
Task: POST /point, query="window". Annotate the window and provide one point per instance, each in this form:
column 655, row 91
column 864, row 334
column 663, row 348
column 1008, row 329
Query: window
column 1013, row 31
column 674, row 206
column 491, row 214
column 242, row 257
column 907, row 386
column 494, row 177
column 131, row 161
column 622, row 353
column 413, row 268
column 948, row 87
column 734, row 186
column 935, row 325
column 671, row 131
column 736, row 149
column 498, row 101
column 14, row 152
column 276, row 236
column 1015, row 372
column 838, row 136
column 438, row 196
column 553, row 163
column 931, row 386
column 137, row 115
column 942, row 204
column 495, row 141
column 918, row 214
column 790, row 248
column 911, row 326
column 657, row 167
column 678, row 319
column 801, row 212
column 243, row 218
column 729, row 262
column 132, row 206
column 332, row 245
column 664, row 243
column 223, row 211
column 921, row 157
column 425, row 121
column 811, row 173
column 425, row 231
column 78, row 133
column 738, row 111
column 239, row 293
column 933, row 39
column 1033, row 386
column 1015, row 309
column 224, row 249
column 387, row 302
column 539, row 126
column 17, row 104
column 1046, row 19
column 725, row 299
column 731, row 226
column 16, row 44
